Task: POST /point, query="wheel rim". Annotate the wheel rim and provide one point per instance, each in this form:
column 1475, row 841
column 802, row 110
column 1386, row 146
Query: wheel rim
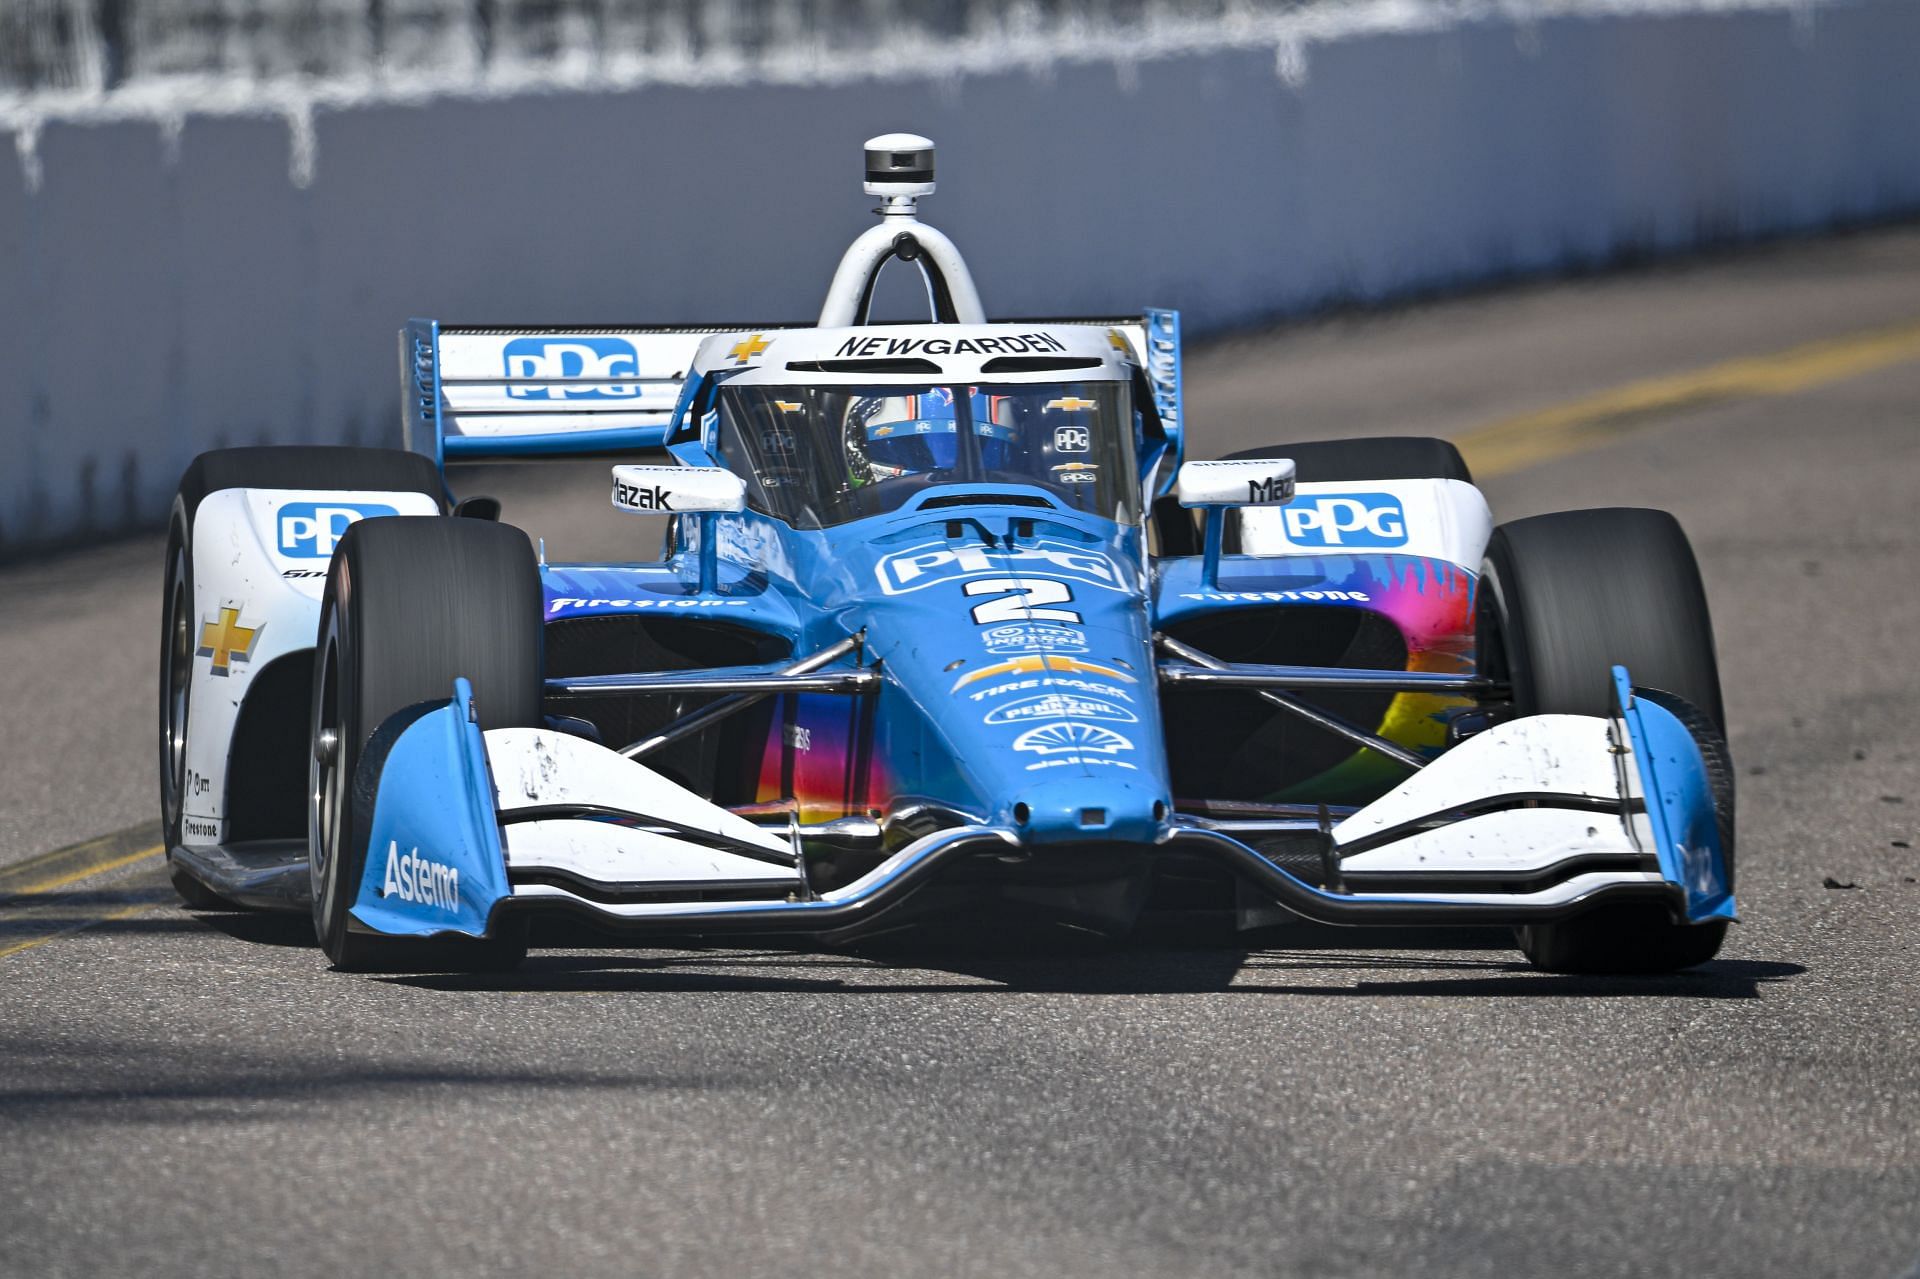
column 328, row 798
column 178, row 674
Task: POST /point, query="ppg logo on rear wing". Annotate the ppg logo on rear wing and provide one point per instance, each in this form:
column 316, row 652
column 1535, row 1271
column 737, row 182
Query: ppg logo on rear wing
column 546, row 368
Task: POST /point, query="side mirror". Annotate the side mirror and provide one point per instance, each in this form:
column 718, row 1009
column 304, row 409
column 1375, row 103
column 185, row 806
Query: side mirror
column 1248, row 482
column 677, row 490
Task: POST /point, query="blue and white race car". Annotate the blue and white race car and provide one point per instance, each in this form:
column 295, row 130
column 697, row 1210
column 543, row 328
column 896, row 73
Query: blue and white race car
column 943, row 627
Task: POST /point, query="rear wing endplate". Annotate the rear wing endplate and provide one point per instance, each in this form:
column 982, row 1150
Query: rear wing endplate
column 1154, row 335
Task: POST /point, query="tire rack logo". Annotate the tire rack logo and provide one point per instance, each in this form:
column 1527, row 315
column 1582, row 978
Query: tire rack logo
column 310, row 530
column 223, row 639
column 560, row 362
column 1060, row 706
column 413, row 878
column 1040, row 664
column 1066, row 738
column 1346, row 519
column 1035, row 637
column 931, row 563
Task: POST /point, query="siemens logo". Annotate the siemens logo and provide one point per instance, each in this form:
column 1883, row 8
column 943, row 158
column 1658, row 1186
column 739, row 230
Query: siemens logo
column 310, row 530
column 1349, row 519
column 571, row 368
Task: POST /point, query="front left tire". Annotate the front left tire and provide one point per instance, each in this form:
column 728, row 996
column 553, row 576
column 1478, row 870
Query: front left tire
column 412, row 603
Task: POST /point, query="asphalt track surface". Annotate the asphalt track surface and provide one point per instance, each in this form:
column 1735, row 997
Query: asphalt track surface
column 197, row 1094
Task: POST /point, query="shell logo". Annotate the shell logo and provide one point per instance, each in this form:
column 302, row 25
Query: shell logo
column 1066, row 738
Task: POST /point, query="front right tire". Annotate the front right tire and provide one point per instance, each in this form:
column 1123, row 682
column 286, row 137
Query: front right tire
column 1563, row 599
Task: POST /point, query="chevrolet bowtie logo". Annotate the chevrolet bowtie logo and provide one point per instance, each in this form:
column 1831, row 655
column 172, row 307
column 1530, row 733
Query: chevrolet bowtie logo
column 1037, row 665
column 226, row 641
column 744, row 351
column 1070, row 403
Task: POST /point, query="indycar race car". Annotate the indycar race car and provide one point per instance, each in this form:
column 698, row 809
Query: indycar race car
column 943, row 627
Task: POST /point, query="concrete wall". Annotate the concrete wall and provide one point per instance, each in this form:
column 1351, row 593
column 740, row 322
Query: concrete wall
column 163, row 292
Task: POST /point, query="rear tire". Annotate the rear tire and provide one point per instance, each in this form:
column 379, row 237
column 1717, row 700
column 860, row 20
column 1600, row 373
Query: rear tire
column 410, row 605
column 295, row 467
column 1386, row 457
column 1564, row 598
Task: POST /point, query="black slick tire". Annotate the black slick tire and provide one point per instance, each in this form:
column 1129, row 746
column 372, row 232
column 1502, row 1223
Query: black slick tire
column 295, row 467
column 1563, row 599
column 411, row 604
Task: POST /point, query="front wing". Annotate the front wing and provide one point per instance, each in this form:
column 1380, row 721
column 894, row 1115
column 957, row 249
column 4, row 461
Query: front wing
column 1530, row 822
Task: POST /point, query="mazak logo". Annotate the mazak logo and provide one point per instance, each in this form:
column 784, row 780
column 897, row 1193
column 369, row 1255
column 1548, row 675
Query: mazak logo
column 1035, row 637
column 412, row 878
column 1274, row 488
column 1070, row 738
column 642, row 497
column 310, row 530
column 937, row 562
column 1350, row 519
column 1060, row 706
column 543, row 368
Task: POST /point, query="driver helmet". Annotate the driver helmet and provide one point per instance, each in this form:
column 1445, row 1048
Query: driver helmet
column 890, row 436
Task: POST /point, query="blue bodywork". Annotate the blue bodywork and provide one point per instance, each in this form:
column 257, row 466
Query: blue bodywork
column 433, row 862
column 1015, row 638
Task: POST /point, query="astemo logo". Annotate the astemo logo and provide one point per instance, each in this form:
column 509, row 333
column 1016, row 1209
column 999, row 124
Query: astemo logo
column 1349, row 519
column 412, row 878
column 583, row 359
column 310, row 530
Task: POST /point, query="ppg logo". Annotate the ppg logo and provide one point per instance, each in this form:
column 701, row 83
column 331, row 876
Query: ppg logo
column 561, row 360
column 1350, row 519
column 1071, row 439
column 310, row 530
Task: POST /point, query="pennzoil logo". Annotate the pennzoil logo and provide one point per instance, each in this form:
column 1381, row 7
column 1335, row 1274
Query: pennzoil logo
column 223, row 639
column 1039, row 663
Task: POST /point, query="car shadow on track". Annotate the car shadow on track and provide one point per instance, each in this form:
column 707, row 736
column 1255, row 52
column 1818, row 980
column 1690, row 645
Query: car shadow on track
column 1308, row 962
column 1092, row 968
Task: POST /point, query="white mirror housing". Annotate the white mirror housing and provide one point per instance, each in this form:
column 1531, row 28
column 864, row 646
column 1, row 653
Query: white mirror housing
column 677, row 490
column 1247, row 482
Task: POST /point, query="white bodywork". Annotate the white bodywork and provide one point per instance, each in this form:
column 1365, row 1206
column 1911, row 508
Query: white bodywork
column 1439, row 519
column 257, row 579
column 533, row 767
column 1553, row 761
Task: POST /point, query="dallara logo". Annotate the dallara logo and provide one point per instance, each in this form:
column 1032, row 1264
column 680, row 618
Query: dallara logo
column 412, row 878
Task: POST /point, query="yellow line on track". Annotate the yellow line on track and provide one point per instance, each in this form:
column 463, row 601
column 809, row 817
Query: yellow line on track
column 1595, row 420
column 64, row 866
column 85, row 872
column 125, row 912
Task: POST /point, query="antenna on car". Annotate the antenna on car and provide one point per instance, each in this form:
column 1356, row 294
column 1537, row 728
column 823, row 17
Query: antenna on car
column 899, row 171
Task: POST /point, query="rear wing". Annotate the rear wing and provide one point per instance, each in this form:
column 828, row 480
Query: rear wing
column 473, row 391
column 470, row 391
